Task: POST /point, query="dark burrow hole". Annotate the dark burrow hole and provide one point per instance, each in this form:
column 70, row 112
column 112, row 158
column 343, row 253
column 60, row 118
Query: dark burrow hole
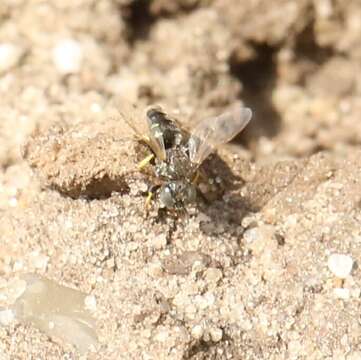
column 140, row 15
column 97, row 189
column 139, row 20
column 258, row 77
column 209, row 350
column 308, row 54
column 307, row 47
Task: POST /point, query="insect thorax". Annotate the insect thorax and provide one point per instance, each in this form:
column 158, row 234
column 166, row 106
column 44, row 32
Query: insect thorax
column 177, row 165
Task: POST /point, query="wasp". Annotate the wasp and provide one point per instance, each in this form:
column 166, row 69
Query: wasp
column 177, row 154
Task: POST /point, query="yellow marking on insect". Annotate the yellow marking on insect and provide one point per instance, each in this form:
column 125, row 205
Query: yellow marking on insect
column 145, row 161
column 148, row 199
column 145, row 138
column 196, row 178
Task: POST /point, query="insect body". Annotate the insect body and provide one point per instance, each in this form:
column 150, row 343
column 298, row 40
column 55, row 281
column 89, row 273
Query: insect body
column 178, row 154
column 172, row 165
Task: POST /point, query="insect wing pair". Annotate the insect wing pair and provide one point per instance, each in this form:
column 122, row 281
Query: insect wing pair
column 205, row 137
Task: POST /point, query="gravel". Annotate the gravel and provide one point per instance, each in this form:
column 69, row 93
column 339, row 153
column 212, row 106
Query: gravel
column 340, row 265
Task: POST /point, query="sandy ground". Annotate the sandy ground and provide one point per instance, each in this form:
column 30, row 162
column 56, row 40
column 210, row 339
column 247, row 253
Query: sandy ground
column 266, row 270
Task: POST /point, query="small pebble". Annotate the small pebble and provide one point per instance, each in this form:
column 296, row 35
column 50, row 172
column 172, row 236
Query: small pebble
column 341, row 293
column 162, row 335
column 68, row 56
column 216, row 334
column 259, row 238
column 6, row 317
column 294, row 348
column 155, row 270
column 355, row 293
column 10, row 56
column 159, row 242
column 18, row 265
column 204, row 301
column 14, row 289
column 90, row 303
column 247, row 221
column 198, row 266
column 340, row 265
column 110, row 263
column 197, row 331
column 95, row 108
column 251, row 235
column 213, row 275
column 51, row 325
column 190, row 311
column 39, row 261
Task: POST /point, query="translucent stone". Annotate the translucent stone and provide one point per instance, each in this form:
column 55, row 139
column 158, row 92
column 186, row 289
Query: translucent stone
column 57, row 310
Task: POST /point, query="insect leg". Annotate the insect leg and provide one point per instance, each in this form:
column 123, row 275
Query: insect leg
column 148, row 199
column 196, row 178
column 200, row 176
column 150, row 195
column 145, row 161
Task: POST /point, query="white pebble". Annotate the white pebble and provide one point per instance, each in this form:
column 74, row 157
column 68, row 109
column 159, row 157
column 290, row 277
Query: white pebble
column 198, row 266
column 213, row 275
column 18, row 265
column 216, row 334
column 204, row 301
column 160, row 241
column 162, row 336
column 294, row 348
column 10, row 56
column 14, row 289
column 51, row 325
column 197, row 331
column 340, row 265
column 90, row 302
column 251, row 235
column 341, row 293
column 95, row 108
column 39, row 261
column 6, row 317
column 68, row 56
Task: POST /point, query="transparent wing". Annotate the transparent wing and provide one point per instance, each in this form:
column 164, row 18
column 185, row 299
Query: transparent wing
column 136, row 120
column 156, row 136
column 132, row 117
column 213, row 132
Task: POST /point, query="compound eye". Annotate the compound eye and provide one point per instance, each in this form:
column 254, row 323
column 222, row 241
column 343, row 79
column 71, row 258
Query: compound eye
column 166, row 197
column 154, row 112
